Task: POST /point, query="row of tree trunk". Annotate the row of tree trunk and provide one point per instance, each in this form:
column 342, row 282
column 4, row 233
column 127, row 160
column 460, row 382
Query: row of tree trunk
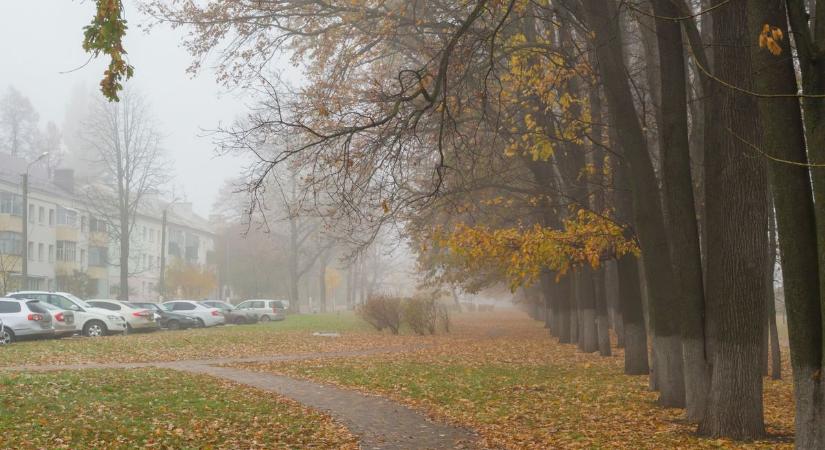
column 707, row 237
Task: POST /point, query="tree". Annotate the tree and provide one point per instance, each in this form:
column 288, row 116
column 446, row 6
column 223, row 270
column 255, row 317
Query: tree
column 793, row 149
column 18, row 124
column 126, row 144
column 77, row 283
column 189, row 281
column 737, row 213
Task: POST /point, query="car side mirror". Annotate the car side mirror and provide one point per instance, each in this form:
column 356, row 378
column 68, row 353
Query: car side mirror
column 75, row 308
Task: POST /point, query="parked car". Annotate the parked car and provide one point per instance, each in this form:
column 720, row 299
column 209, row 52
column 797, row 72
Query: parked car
column 137, row 318
column 90, row 321
column 168, row 319
column 23, row 318
column 205, row 316
column 62, row 320
column 264, row 310
column 232, row 314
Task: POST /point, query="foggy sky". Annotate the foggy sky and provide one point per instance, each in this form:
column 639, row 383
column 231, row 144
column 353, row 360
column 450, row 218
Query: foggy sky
column 39, row 39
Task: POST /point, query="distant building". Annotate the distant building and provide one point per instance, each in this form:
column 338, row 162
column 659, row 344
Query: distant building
column 68, row 244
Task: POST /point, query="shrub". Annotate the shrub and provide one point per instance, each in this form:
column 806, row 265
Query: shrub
column 425, row 315
column 382, row 311
column 420, row 314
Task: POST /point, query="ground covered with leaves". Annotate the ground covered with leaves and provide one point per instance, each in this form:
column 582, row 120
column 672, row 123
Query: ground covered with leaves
column 153, row 408
column 291, row 336
column 502, row 375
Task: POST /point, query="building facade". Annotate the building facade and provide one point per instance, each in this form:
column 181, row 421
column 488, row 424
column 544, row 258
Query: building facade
column 70, row 248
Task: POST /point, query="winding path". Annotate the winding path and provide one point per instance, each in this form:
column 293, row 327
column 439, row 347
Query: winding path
column 378, row 422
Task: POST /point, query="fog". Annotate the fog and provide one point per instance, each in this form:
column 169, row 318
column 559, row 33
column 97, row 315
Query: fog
column 43, row 59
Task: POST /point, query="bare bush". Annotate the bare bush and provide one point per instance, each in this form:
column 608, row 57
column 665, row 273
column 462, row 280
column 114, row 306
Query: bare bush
column 382, row 311
column 420, row 313
column 425, row 314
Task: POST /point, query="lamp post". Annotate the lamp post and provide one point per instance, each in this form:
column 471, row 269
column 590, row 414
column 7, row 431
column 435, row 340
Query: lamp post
column 26, row 219
column 162, row 282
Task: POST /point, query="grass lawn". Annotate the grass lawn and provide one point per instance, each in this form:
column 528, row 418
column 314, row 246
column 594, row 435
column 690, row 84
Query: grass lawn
column 153, row 408
column 521, row 389
column 293, row 335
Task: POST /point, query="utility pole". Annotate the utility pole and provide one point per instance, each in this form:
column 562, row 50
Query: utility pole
column 26, row 229
column 26, row 220
column 162, row 282
column 162, row 286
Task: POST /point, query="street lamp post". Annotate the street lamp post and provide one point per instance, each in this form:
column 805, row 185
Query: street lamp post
column 162, row 282
column 26, row 219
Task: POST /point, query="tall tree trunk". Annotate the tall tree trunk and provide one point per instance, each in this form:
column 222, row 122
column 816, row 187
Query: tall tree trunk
column 602, row 18
column 574, row 308
column 737, row 216
column 564, row 289
column 548, row 295
column 322, row 283
column 292, row 267
column 630, row 290
column 680, row 207
column 602, row 318
column 797, row 220
column 588, row 339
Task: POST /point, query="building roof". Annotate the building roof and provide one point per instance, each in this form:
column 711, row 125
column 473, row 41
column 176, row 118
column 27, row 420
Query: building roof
column 12, row 168
column 178, row 213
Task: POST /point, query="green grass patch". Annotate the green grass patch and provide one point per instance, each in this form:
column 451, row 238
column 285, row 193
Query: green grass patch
column 152, row 408
column 293, row 335
column 528, row 391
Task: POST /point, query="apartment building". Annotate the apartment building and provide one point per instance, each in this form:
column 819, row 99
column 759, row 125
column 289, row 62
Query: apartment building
column 67, row 243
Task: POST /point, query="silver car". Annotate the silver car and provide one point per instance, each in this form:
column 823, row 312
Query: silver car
column 264, row 310
column 63, row 321
column 23, row 318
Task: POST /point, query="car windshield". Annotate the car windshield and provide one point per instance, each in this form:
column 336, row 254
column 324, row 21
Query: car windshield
column 78, row 301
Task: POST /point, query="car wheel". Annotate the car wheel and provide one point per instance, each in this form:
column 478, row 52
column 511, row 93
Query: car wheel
column 201, row 324
column 173, row 325
column 94, row 328
column 265, row 319
column 129, row 329
column 6, row 336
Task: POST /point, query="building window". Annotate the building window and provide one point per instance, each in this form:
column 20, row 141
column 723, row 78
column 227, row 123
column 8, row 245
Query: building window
column 40, row 251
column 66, row 217
column 66, row 251
column 51, row 253
column 98, row 256
column 41, row 215
column 82, row 257
column 152, row 235
column 143, row 233
column 51, row 217
column 11, row 243
column 31, row 213
column 30, row 252
column 83, row 224
column 97, row 225
column 11, row 203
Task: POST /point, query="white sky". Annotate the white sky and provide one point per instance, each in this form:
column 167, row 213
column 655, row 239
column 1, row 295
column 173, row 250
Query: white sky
column 41, row 38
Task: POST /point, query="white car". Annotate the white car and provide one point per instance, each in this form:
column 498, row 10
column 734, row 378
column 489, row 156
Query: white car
column 136, row 318
column 23, row 319
column 205, row 315
column 90, row 321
